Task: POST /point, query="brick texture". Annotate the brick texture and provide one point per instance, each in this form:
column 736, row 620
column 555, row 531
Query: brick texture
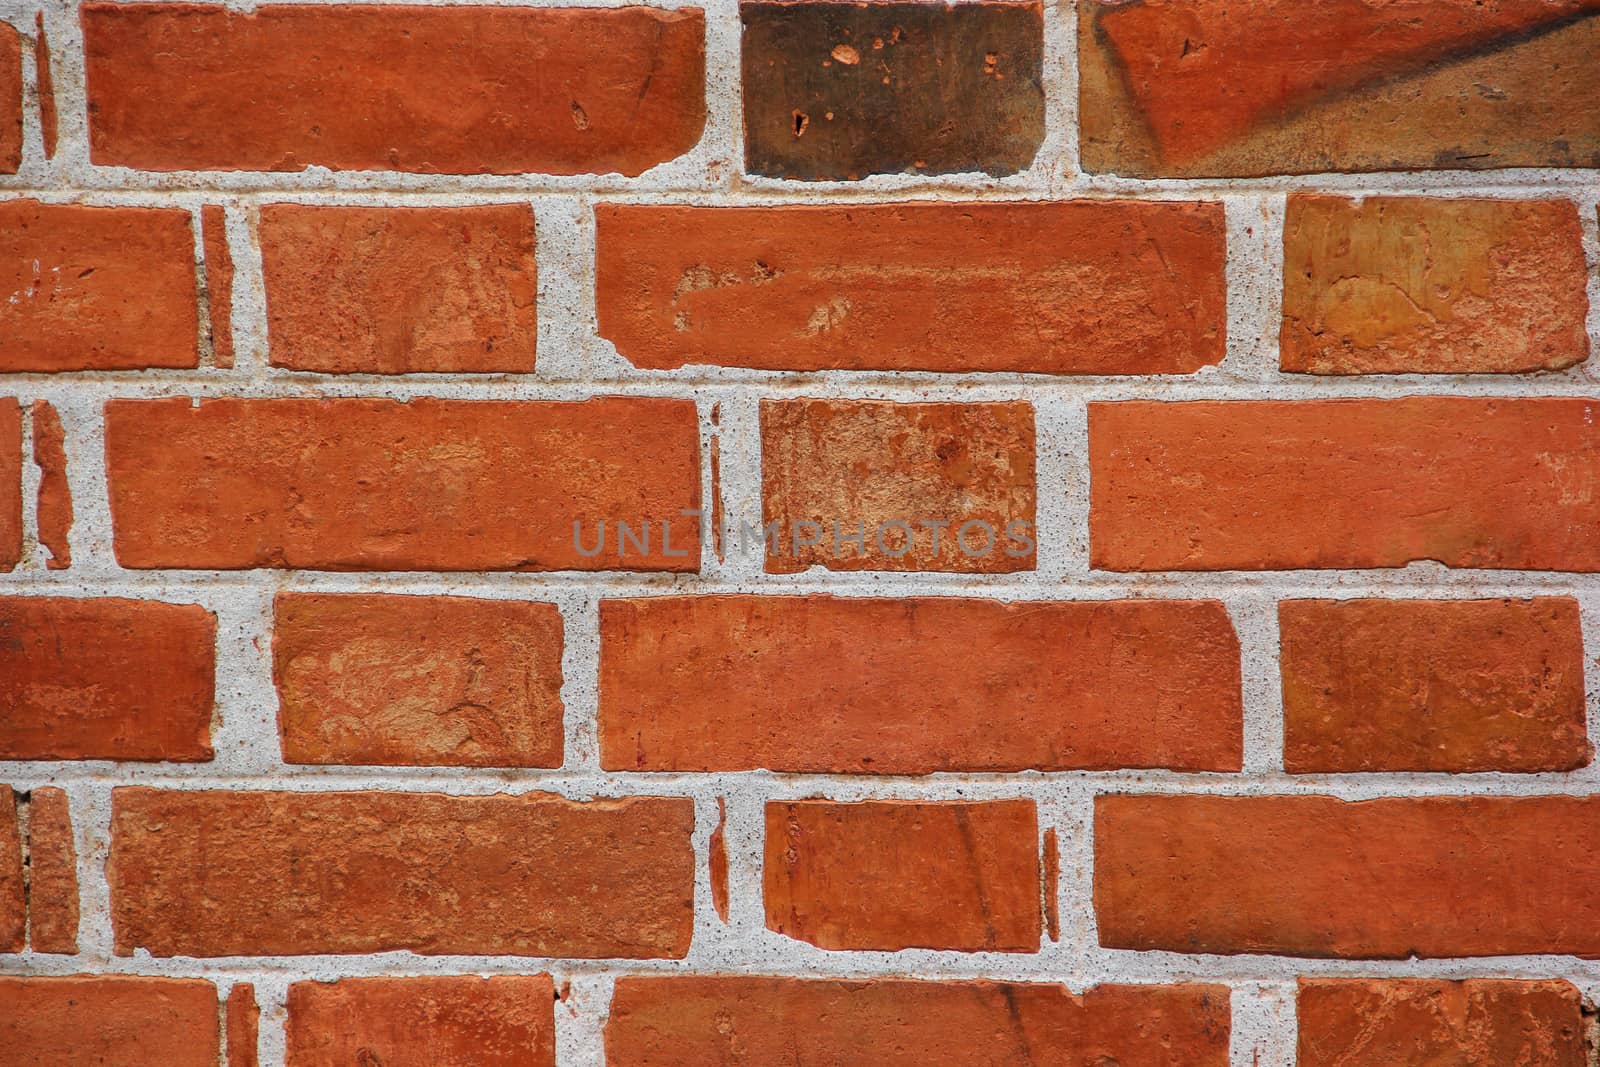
column 10, row 99
column 54, row 508
column 1316, row 876
column 107, row 288
column 13, row 886
column 1088, row 287
column 895, row 875
column 219, row 282
column 673, row 1022
column 105, row 678
column 453, row 90
column 87, row 1021
column 399, row 290
column 243, row 1018
column 52, row 873
column 220, row 873
column 357, row 484
column 418, row 680
column 1291, row 484
column 10, row 483
column 1419, row 685
column 400, row 1022
column 916, row 686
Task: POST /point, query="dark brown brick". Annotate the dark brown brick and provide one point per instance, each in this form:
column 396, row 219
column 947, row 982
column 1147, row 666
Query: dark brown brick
column 836, row 91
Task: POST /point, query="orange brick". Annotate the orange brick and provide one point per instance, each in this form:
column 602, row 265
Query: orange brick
column 93, row 1020
column 54, row 509
column 10, row 99
column 13, row 886
column 219, row 282
column 52, row 873
column 244, row 1026
column 10, row 483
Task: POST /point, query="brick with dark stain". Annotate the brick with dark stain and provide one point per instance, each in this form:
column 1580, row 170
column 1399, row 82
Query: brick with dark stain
column 837, row 91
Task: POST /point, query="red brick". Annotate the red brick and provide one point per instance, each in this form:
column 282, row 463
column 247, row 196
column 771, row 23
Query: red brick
column 10, row 99
column 717, row 862
column 423, row 1022
column 453, row 90
column 1412, row 284
column 403, row 680
column 13, row 886
column 1192, row 88
column 1052, row 885
column 916, row 685
column 1475, row 1023
column 395, row 290
column 219, row 282
column 1082, row 287
column 896, row 874
column 1432, row 685
column 1378, row 879
column 52, row 873
column 47, row 91
column 97, row 288
column 54, row 510
column 105, row 679
column 10, row 483
column 358, row 484
column 95, row 1020
column 1219, row 485
column 244, row 1026
column 863, row 464
column 268, row 874
column 768, row 1022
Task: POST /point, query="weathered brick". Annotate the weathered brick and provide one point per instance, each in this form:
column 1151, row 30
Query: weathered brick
column 1220, row 485
column 10, row 99
column 453, row 90
column 1414, row 284
column 54, row 502
column 1476, row 1023
column 840, row 91
column 863, row 466
column 219, row 282
column 897, row 874
column 717, row 862
column 13, row 886
column 1432, row 685
column 52, row 873
column 10, row 483
column 244, row 1026
column 1178, row 88
column 105, row 678
column 358, row 484
column 916, row 685
column 1377, row 879
column 680, row 1021
column 417, row 1022
column 97, row 288
column 95, row 1020
column 46, row 86
column 409, row 680
column 1082, row 287
column 395, row 290
column 236, row 873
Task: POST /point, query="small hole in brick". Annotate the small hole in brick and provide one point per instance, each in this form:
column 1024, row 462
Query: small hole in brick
column 801, row 121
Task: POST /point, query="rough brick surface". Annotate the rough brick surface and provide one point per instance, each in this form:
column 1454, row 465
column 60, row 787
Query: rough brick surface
column 105, row 678
column 1087, row 287
column 107, row 288
column 869, row 465
column 1425, row 285
column 1206, row 87
column 13, row 886
column 454, row 90
column 357, row 484
column 916, row 685
column 1475, row 1023
column 1316, row 876
column 10, row 99
column 1345, row 483
column 1419, row 685
column 418, row 680
column 10, row 483
column 89, row 1021
column 244, row 1026
column 54, row 508
column 898, row 874
column 218, row 873
column 690, row 1020
column 48, row 127
column 842, row 91
column 219, row 282
column 398, row 290
column 52, row 873
column 422, row 1022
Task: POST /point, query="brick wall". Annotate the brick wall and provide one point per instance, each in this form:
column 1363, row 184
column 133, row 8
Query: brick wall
column 1256, row 335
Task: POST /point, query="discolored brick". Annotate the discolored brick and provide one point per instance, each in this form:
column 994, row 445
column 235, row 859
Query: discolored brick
column 46, row 86
column 838, row 91
column 1390, row 285
column 1081, row 287
column 398, row 290
column 96, row 1020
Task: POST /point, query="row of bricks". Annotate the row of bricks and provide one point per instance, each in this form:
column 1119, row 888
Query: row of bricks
column 757, row 1021
column 830, row 90
column 259, row 873
column 615, row 483
column 1384, row 285
column 913, row 686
